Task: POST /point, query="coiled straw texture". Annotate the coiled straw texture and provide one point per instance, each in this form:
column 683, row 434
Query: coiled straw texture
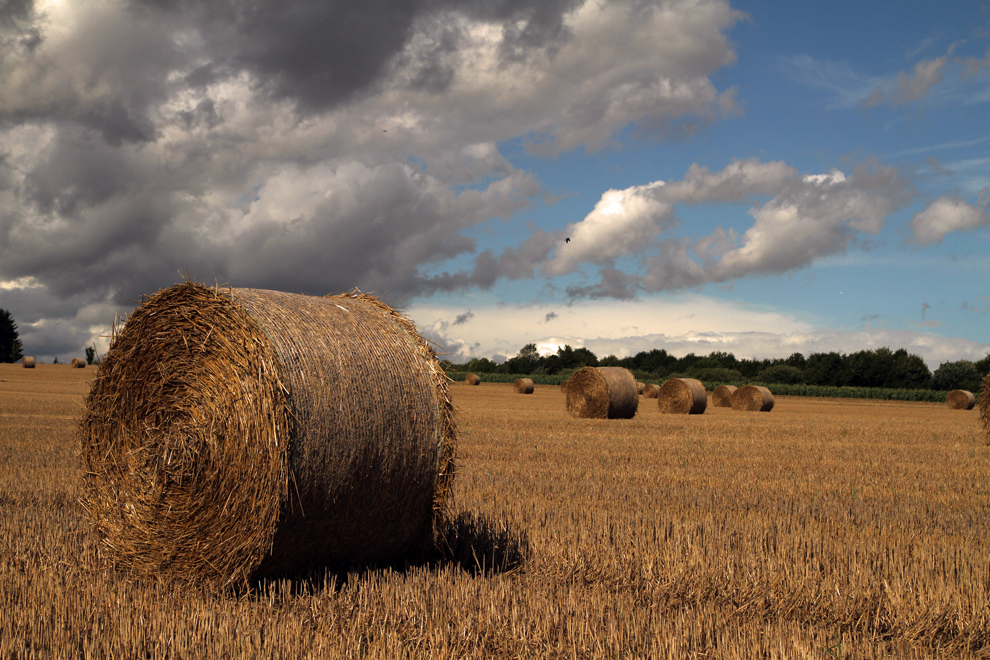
column 682, row 396
column 602, row 393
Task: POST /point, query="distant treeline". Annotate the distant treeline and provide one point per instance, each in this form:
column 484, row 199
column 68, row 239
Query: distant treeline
column 880, row 369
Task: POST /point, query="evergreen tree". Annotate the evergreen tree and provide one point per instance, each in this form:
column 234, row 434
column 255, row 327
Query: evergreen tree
column 10, row 343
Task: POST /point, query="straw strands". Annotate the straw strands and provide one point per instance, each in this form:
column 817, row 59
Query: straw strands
column 960, row 400
column 472, row 379
column 602, row 393
column 651, row 391
column 682, row 396
column 722, row 396
column 524, row 386
column 230, row 434
column 752, row 397
column 27, row 362
column 985, row 405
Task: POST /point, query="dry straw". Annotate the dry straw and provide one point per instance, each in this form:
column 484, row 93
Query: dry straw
column 27, row 362
column 640, row 386
column 602, row 393
column 524, row 386
column 472, row 379
column 752, row 397
column 960, row 400
column 564, row 384
column 651, row 391
column 78, row 363
column 232, row 434
column 985, row 405
column 682, row 396
column 722, row 396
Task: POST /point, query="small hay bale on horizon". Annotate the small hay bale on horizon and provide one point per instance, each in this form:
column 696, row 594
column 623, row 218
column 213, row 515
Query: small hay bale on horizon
column 752, row 397
column 960, row 400
column 78, row 363
column 651, row 391
column 722, row 396
column 602, row 393
column 640, row 386
column 472, row 379
column 523, row 386
column 27, row 362
column 682, row 396
column 264, row 452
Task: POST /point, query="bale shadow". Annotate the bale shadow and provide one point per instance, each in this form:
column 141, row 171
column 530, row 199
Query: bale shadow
column 477, row 544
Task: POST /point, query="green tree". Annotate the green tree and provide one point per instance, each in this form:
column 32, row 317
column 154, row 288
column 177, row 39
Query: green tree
column 824, row 369
column 784, row 374
column 90, row 354
column 525, row 362
column 958, row 375
column 10, row 343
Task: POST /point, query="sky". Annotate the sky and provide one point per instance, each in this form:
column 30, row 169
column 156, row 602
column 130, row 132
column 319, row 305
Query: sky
column 748, row 176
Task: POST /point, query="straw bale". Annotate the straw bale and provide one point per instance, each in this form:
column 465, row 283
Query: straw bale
column 752, row 397
column 230, row 434
column 27, row 362
column 985, row 405
column 524, row 386
column 651, row 391
column 78, row 363
column 602, row 393
column 960, row 400
column 640, row 386
column 472, row 379
column 682, row 396
column 722, row 396
column 564, row 384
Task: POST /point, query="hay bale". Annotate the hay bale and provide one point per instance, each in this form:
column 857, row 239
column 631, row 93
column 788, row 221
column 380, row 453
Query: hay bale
column 960, row 400
column 231, row 434
column 985, row 405
column 682, row 396
column 651, row 391
column 78, row 363
column 752, row 397
column 523, row 386
column 472, row 379
column 27, row 362
column 602, row 393
column 722, row 396
column 640, row 386
column 564, row 385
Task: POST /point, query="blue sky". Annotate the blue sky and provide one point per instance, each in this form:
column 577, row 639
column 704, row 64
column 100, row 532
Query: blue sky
column 763, row 178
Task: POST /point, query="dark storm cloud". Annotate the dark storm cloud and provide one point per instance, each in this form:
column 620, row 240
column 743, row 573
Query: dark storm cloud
column 463, row 318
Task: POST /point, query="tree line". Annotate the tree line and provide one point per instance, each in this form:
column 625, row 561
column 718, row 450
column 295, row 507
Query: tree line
column 11, row 348
column 877, row 368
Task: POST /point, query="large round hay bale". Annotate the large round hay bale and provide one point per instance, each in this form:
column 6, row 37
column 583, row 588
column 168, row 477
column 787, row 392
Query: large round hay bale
column 640, row 386
column 523, row 386
column 752, row 397
column 602, row 393
column 27, row 362
column 472, row 379
column 231, row 434
column 564, row 384
column 651, row 391
column 960, row 400
column 722, row 396
column 682, row 396
column 985, row 405
column 78, row 363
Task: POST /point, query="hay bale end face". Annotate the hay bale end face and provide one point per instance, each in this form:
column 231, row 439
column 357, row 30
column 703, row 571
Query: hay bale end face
column 472, row 379
column 960, row 400
column 602, row 393
column 27, row 362
column 985, row 406
column 722, row 396
column 752, row 397
column 651, row 391
column 78, row 363
column 230, row 435
column 682, row 396
column 523, row 386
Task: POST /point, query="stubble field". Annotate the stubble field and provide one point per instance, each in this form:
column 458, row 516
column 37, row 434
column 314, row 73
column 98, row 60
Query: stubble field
column 823, row 529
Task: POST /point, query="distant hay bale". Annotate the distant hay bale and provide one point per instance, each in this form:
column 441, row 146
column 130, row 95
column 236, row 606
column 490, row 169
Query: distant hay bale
column 752, row 397
column 602, row 393
column 960, row 400
column 231, row 434
column 722, row 396
column 564, row 385
column 78, row 363
column 640, row 386
column 27, row 362
column 985, row 405
column 524, row 386
column 472, row 379
column 682, row 396
column 651, row 391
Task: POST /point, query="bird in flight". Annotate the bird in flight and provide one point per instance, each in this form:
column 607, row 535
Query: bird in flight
column 567, row 240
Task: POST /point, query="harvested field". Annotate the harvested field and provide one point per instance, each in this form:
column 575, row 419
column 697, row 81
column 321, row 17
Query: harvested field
column 832, row 528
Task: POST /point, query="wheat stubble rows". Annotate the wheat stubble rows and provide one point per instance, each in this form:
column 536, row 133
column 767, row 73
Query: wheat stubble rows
column 821, row 529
